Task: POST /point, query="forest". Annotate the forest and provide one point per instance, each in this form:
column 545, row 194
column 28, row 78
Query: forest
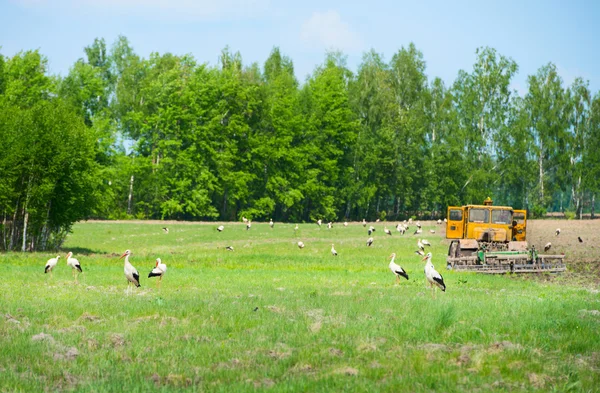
column 164, row 137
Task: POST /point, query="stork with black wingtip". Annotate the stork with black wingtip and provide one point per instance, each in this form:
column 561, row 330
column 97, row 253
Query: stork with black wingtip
column 131, row 273
column 75, row 266
column 397, row 269
column 434, row 278
column 159, row 271
column 50, row 264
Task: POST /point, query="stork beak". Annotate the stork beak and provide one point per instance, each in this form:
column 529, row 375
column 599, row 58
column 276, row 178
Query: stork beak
column 122, row 256
column 424, row 258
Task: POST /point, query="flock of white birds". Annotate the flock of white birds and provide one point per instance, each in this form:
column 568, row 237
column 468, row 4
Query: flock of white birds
column 434, row 278
column 131, row 273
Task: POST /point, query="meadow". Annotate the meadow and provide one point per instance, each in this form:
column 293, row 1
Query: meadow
column 272, row 317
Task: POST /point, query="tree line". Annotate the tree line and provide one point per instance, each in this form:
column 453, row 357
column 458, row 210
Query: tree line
column 164, row 137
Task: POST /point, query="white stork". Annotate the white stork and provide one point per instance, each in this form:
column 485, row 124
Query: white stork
column 418, row 231
column 165, row 230
column 369, row 241
column 248, row 225
column 229, row 248
column 159, row 270
column 244, row 220
column 220, row 228
column 296, row 228
column 271, row 223
column 329, row 225
column 397, row 269
column 364, row 223
column 333, row 252
column 420, row 252
column 547, row 246
column 420, row 245
column 439, row 221
column 445, row 220
column 51, row 264
column 74, row 264
column 557, row 232
column 131, row 273
column 300, row 245
column 433, row 277
column 426, row 242
column 319, row 222
column 432, row 231
column 387, row 231
column 580, row 239
column 345, row 223
column 418, row 224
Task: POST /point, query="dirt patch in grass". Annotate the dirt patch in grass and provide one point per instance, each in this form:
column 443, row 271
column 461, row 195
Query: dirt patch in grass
column 263, row 383
column 275, row 309
column 281, row 351
column 316, row 327
column 504, row 345
column 594, row 313
column 173, row 380
column 349, row 371
column 70, row 354
column 229, row 365
column 15, row 323
column 43, row 337
column 117, row 340
column 302, row 368
column 90, row 318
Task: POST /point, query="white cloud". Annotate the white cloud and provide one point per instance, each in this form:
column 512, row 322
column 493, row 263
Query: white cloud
column 328, row 30
column 195, row 9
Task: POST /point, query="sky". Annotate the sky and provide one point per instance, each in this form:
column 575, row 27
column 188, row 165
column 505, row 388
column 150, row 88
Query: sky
column 533, row 33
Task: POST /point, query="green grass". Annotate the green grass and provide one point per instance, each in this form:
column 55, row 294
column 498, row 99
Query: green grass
column 323, row 323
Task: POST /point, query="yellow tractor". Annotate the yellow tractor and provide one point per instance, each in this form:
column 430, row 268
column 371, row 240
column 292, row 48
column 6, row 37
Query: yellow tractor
column 493, row 239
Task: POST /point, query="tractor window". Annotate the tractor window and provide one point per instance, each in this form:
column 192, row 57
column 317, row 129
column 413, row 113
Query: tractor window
column 519, row 218
column 501, row 217
column 456, row 215
column 479, row 215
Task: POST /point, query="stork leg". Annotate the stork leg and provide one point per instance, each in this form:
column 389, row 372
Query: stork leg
column 397, row 279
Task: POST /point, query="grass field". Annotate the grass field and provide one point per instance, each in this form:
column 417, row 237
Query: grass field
column 270, row 316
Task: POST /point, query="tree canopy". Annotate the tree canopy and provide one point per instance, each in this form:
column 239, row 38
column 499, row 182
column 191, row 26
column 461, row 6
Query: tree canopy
column 164, row 137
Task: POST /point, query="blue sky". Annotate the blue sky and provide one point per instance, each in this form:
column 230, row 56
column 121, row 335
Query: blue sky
column 533, row 33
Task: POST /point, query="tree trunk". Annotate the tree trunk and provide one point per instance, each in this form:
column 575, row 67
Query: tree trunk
column 44, row 236
column 4, row 231
column 224, row 204
column 12, row 229
column 579, row 198
column 25, row 221
column 130, row 195
column 541, row 164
